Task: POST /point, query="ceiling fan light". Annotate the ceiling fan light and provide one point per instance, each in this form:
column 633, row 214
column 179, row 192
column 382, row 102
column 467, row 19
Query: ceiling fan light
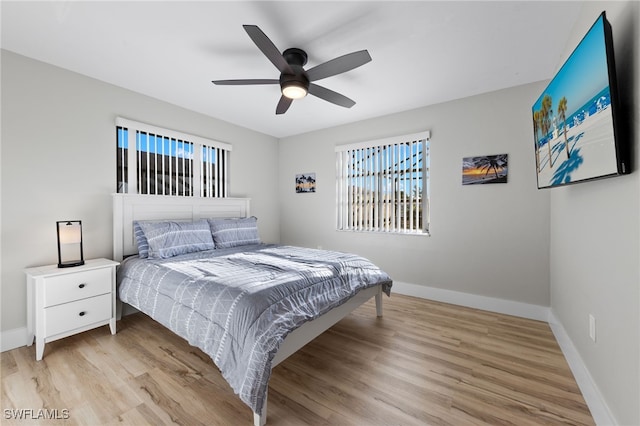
column 294, row 90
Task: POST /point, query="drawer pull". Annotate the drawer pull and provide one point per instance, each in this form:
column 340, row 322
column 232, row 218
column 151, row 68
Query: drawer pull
column 82, row 313
column 81, row 285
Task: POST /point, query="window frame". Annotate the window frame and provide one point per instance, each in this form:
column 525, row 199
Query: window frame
column 372, row 223
column 197, row 189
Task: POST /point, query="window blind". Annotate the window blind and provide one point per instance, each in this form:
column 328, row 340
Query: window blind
column 166, row 162
column 382, row 186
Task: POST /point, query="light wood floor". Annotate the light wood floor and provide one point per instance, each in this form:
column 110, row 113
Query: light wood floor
column 423, row 363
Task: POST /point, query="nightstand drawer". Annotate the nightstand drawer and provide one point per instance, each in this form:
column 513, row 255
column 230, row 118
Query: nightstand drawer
column 75, row 286
column 67, row 317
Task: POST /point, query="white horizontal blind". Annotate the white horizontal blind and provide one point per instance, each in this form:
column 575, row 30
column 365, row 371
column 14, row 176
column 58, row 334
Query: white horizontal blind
column 382, row 186
column 166, row 162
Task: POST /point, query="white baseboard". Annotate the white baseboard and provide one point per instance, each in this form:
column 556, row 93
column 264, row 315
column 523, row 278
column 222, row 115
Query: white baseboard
column 12, row 339
column 502, row 306
column 600, row 411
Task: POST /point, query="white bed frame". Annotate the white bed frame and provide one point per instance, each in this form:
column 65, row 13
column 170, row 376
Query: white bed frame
column 130, row 207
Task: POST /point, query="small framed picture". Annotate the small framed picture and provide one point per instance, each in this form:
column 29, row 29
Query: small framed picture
column 484, row 169
column 306, row 182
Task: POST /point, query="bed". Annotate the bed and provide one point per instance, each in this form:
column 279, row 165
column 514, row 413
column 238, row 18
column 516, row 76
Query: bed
column 247, row 304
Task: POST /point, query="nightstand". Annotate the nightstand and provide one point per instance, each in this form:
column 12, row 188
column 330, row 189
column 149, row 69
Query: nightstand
column 65, row 301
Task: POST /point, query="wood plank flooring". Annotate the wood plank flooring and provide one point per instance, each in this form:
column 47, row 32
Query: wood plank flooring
column 423, row 363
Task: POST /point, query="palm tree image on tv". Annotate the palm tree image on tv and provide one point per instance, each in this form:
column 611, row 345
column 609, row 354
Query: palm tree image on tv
column 562, row 110
column 573, row 120
column 545, row 111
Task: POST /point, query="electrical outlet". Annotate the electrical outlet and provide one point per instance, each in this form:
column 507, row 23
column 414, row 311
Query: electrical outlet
column 592, row 327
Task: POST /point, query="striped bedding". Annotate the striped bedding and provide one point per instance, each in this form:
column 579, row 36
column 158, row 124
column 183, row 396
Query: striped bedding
column 238, row 304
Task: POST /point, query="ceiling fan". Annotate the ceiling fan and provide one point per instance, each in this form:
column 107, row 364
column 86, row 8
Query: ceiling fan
column 295, row 82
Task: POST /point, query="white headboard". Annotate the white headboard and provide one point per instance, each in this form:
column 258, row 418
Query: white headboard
column 130, row 207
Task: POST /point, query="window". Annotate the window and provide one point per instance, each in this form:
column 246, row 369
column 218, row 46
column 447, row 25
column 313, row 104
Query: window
column 165, row 162
column 383, row 186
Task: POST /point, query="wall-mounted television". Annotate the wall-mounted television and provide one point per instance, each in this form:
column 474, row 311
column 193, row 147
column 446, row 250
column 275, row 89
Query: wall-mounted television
column 576, row 120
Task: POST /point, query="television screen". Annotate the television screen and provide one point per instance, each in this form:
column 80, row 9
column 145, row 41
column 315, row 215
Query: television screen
column 574, row 119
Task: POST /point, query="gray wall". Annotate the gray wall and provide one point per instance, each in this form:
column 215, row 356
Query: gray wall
column 490, row 240
column 595, row 241
column 58, row 162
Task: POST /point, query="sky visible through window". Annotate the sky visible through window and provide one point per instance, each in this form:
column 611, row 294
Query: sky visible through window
column 157, row 144
column 400, row 166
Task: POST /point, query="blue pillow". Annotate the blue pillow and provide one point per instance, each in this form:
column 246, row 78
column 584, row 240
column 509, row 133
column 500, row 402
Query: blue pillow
column 171, row 238
column 143, row 244
column 234, row 232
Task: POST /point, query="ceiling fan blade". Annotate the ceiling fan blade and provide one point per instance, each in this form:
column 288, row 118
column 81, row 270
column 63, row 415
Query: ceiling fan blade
column 283, row 105
column 245, row 82
column 268, row 48
column 330, row 96
column 339, row 65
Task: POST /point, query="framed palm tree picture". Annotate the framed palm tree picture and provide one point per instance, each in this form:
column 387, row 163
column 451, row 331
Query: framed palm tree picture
column 484, row 169
column 306, row 182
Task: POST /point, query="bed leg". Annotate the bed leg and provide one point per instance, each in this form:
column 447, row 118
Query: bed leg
column 118, row 309
column 261, row 419
column 379, row 302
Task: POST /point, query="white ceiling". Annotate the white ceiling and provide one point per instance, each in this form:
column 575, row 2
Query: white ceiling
column 424, row 52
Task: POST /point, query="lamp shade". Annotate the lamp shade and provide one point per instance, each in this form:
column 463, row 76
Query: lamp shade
column 294, row 90
column 69, row 243
column 71, row 233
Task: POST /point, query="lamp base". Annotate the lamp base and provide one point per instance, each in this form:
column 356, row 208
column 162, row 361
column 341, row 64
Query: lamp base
column 71, row 264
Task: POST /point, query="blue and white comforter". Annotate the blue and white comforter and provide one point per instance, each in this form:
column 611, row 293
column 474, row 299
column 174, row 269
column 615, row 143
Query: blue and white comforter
column 239, row 304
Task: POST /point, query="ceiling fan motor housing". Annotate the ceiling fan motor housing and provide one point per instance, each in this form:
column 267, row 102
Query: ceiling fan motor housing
column 300, row 80
column 296, row 58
